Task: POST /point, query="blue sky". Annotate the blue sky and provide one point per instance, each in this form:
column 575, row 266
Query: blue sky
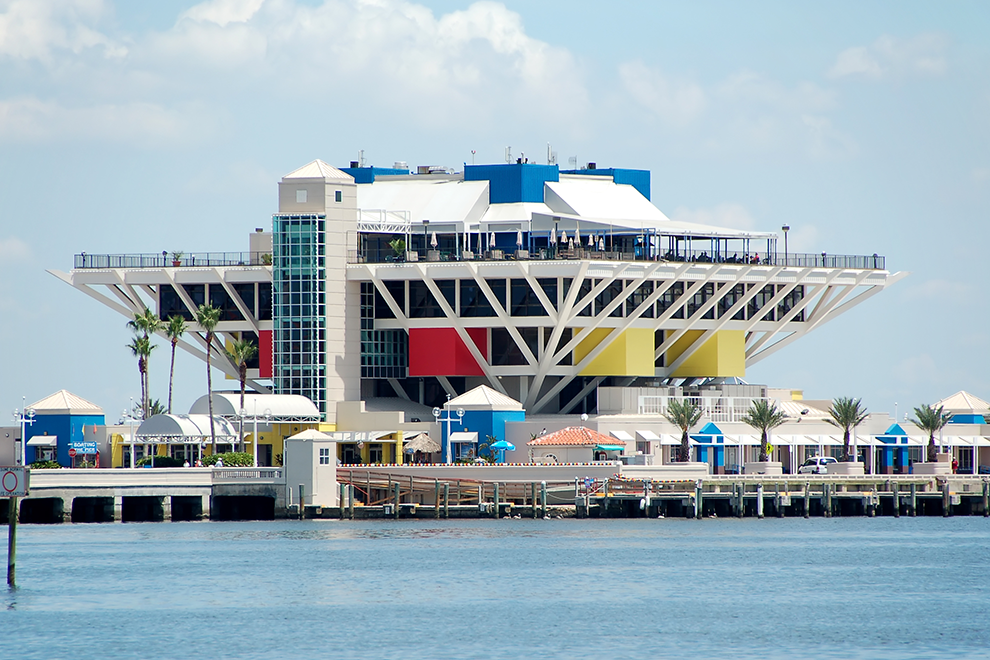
column 140, row 127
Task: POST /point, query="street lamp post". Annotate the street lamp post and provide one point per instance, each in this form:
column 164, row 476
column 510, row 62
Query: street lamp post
column 23, row 416
column 786, row 228
column 460, row 416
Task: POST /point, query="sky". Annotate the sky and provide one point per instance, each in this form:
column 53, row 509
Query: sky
column 137, row 127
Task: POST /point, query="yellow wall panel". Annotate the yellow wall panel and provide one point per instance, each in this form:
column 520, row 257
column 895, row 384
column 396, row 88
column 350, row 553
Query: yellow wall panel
column 721, row 356
column 629, row 354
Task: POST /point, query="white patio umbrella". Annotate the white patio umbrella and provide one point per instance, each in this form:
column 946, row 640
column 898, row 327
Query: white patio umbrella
column 553, row 235
column 577, row 237
column 570, row 243
column 591, row 241
column 519, row 238
column 433, row 239
column 601, row 243
column 563, row 236
column 491, row 241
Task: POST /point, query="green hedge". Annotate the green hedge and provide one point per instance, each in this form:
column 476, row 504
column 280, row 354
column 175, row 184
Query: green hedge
column 45, row 465
column 161, row 462
column 230, row 459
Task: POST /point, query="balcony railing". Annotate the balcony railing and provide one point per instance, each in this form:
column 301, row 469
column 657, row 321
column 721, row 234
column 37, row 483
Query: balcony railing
column 168, row 260
column 820, row 260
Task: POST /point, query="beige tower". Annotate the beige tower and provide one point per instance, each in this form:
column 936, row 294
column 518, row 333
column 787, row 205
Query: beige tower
column 316, row 314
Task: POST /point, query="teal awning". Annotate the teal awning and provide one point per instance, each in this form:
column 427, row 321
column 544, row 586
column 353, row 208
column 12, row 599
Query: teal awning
column 610, row 447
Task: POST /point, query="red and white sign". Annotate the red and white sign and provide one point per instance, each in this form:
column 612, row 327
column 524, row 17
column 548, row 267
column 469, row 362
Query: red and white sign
column 72, row 453
column 14, row 481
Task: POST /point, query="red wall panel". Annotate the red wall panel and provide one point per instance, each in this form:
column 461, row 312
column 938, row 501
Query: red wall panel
column 440, row 352
column 265, row 354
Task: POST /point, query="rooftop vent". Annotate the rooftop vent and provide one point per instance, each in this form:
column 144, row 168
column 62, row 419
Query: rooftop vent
column 592, row 166
column 355, row 163
column 401, row 165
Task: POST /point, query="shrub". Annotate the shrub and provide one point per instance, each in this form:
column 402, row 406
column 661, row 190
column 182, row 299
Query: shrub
column 230, row 459
column 45, row 465
column 161, row 462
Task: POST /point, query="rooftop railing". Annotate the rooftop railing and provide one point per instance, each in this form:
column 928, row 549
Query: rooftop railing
column 821, row 260
column 207, row 259
column 170, row 260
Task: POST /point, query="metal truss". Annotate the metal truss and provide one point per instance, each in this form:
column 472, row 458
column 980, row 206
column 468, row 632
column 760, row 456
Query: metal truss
column 827, row 292
column 130, row 291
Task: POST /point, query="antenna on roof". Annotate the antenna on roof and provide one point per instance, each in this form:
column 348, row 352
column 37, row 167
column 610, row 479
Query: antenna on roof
column 508, row 154
column 551, row 155
column 473, row 152
column 572, row 161
column 360, row 157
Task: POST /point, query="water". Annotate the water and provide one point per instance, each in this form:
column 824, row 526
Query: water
column 791, row 588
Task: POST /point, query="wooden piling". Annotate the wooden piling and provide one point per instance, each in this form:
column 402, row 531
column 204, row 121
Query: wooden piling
column 986, row 498
column 827, row 499
column 532, row 497
column 946, row 502
column 698, row 502
column 342, row 501
column 446, row 500
column 396, row 499
column 807, row 500
column 543, row 498
column 302, row 506
column 11, row 540
column 436, row 498
column 495, row 513
column 776, row 502
column 914, row 500
column 759, row 500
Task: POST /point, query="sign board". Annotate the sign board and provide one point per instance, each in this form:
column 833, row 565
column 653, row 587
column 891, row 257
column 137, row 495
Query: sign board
column 83, row 446
column 72, row 453
column 14, row 481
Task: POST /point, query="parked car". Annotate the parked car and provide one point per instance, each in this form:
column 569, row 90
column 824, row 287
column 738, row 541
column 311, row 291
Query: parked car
column 816, row 465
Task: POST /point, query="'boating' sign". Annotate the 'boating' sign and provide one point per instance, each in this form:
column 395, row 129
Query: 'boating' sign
column 14, row 481
column 83, row 446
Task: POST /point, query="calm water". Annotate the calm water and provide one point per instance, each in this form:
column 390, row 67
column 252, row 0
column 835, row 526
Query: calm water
column 794, row 588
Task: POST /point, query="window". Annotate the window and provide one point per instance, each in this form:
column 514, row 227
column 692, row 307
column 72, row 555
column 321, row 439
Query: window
column 301, row 196
column 338, row 196
column 474, row 303
column 324, row 456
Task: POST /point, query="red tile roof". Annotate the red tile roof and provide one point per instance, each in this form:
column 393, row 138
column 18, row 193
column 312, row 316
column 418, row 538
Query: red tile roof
column 574, row 436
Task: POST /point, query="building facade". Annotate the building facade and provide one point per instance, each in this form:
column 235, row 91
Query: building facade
column 544, row 285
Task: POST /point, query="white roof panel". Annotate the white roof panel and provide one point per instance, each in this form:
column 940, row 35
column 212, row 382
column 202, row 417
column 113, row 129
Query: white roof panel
column 318, row 170
column 600, row 197
column 65, row 402
column 439, row 201
column 281, row 406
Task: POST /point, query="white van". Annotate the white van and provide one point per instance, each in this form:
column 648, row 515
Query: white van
column 816, row 465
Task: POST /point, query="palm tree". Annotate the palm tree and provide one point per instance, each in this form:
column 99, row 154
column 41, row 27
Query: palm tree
column 931, row 419
column 846, row 414
column 141, row 348
column 207, row 317
column 764, row 417
column 239, row 352
column 174, row 330
column 683, row 414
column 147, row 323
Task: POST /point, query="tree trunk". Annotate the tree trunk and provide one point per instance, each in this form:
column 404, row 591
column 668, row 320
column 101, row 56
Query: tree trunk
column 685, row 451
column 171, row 376
column 209, row 388
column 144, row 386
column 932, row 453
column 845, row 446
column 242, row 371
column 764, row 456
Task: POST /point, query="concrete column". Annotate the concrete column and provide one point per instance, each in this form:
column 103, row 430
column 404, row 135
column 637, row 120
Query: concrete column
column 207, row 499
column 118, row 508
column 166, row 508
column 759, row 500
column 67, row 508
column 698, row 501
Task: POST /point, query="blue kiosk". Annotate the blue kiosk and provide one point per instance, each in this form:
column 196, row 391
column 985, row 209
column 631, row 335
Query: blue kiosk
column 893, row 451
column 710, row 447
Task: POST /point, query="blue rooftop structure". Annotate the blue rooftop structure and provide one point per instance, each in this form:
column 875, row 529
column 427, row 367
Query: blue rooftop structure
column 638, row 179
column 509, row 183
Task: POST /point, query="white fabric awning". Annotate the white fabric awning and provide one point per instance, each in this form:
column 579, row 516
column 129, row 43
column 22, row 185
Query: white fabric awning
column 464, row 436
column 621, row 435
column 43, row 441
column 749, row 440
column 647, row 435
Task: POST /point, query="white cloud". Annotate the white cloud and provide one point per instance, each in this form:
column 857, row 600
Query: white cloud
column 37, row 29
column 14, row 249
column 223, row 12
column 728, row 214
column 675, row 101
column 29, row 119
column 923, row 54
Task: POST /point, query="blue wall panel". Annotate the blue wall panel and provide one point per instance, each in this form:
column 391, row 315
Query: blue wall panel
column 638, row 179
column 509, row 183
